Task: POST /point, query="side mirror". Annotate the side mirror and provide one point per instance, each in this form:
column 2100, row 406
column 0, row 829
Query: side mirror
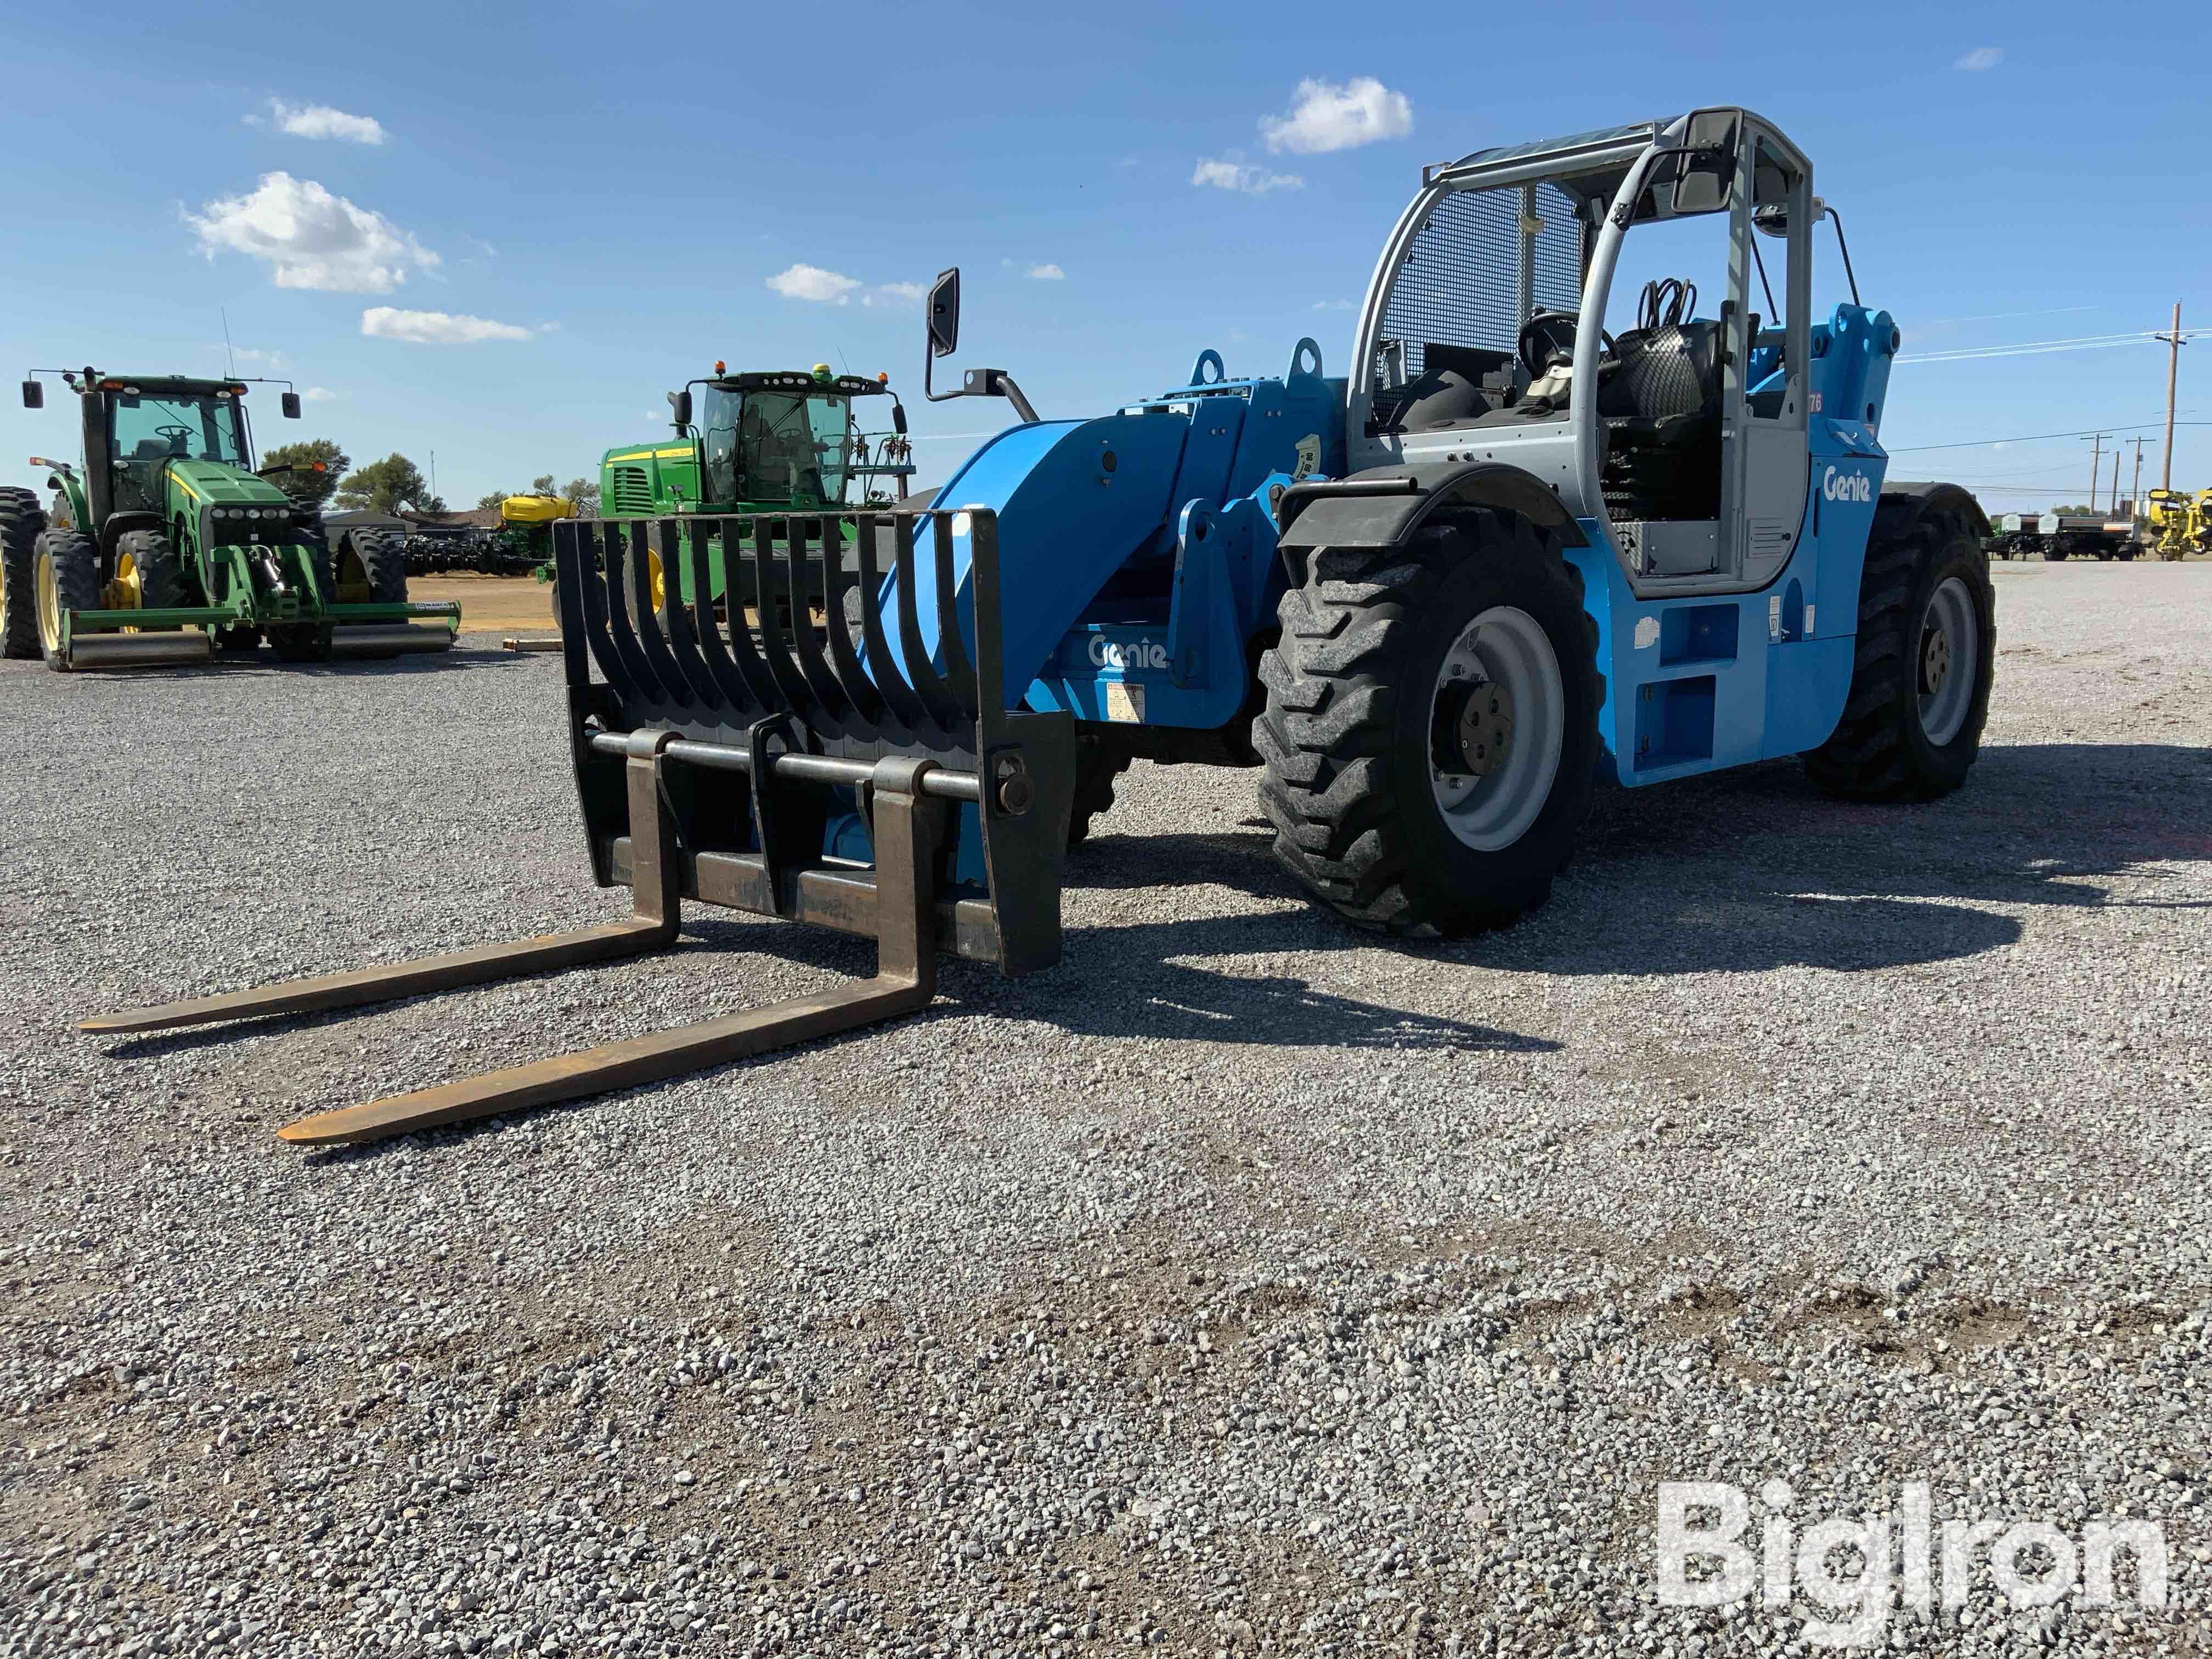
column 944, row 313
column 1705, row 178
column 1773, row 219
column 898, row 417
column 679, row 407
column 34, row 395
column 289, row 402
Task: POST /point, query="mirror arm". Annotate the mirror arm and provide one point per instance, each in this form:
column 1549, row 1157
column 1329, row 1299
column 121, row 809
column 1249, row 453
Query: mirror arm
column 1014, row 395
column 1850, row 276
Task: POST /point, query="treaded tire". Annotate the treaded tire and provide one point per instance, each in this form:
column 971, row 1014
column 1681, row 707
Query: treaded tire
column 21, row 523
column 1879, row 749
column 1096, row 766
column 379, row 562
column 308, row 642
column 2054, row 554
column 75, row 560
column 1345, row 732
column 161, row 577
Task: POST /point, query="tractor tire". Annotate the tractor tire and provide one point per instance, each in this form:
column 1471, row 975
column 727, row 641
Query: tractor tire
column 1926, row 655
column 154, row 560
column 1096, row 766
column 308, row 642
column 375, row 565
column 1399, row 795
column 2054, row 554
column 66, row 578
column 22, row 521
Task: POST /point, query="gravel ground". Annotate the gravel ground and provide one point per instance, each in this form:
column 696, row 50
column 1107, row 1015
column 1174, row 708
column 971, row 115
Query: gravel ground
column 1242, row 1285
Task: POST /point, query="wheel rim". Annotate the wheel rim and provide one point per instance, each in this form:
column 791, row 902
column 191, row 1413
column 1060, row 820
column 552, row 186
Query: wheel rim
column 1496, row 724
column 50, row 605
column 1949, row 661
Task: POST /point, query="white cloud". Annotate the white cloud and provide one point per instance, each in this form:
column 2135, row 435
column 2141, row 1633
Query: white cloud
column 318, row 394
column 1253, row 181
column 896, row 293
column 1327, row 116
column 812, row 283
column 321, row 121
column 1047, row 273
column 313, row 238
column 1333, row 305
column 1981, row 57
column 435, row 327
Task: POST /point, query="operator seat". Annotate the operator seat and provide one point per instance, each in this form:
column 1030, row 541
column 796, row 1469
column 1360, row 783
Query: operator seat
column 1661, row 410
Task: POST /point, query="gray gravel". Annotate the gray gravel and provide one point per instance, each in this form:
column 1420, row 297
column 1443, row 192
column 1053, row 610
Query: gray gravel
column 1242, row 1285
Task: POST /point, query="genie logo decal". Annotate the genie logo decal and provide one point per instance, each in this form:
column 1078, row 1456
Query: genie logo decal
column 1138, row 653
column 1845, row 486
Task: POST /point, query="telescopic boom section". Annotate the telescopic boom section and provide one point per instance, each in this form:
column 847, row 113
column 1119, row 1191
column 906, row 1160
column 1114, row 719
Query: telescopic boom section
column 718, row 752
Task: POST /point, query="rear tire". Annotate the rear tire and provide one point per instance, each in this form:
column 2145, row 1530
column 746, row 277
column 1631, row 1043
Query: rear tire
column 1380, row 649
column 375, row 566
column 1911, row 727
column 22, row 521
column 67, row 578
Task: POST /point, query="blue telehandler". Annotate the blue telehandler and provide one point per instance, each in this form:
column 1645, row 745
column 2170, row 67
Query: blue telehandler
column 1513, row 551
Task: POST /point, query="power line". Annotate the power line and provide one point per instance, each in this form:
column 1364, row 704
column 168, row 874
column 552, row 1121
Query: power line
column 2034, row 437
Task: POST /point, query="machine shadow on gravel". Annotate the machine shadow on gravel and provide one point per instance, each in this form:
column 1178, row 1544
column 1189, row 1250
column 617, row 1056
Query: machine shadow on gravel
column 1760, row 871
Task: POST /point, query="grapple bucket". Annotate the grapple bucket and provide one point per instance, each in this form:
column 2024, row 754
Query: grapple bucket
column 764, row 742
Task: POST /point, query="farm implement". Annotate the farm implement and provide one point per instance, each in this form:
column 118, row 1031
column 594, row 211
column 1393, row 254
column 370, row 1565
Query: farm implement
column 1431, row 602
column 163, row 545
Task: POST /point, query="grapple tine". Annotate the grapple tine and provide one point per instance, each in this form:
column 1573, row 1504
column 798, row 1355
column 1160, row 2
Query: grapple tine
column 737, row 697
column 627, row 580
column 571, row 573
column 883, row 663
column 755, row 672
column 983, row 600
column 675, row 627
column 828, row 693
column 648, row 611
column 959, row 675
column 797, row 696
column 920, row 673
column 860, row 692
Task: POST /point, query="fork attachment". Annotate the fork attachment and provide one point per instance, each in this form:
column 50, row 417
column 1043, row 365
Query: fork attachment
column 735, row 751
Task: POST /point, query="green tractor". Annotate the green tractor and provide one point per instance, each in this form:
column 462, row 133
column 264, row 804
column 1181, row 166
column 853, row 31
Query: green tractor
column 163, row 545
column 767, row 440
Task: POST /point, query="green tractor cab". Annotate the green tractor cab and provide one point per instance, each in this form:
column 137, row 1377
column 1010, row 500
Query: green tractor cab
column 764, row 441
column 162, row 545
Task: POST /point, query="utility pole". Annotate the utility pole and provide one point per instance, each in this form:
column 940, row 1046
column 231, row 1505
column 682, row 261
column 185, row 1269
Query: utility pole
column 2135, row 485
column 2096, row 465
column 2174, row 345
column 2116, row 481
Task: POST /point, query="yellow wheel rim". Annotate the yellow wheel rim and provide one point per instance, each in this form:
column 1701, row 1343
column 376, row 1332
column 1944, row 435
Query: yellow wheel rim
column 659, row 582
column 353, row 579
column 50, row 606
column 128, row 590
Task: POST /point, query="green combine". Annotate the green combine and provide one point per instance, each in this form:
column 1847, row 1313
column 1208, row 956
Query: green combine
column 163, row 545
column 764, row 441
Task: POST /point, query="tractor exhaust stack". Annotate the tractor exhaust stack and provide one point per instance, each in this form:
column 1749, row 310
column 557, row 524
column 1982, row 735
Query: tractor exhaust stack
column 741, row 752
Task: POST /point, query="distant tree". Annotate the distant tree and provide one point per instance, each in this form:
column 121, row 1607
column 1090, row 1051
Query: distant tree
column 2075, row 512
column 494, row 499
column 381, row 486
column 319, row 463
column 583, row 495
column 541, row 484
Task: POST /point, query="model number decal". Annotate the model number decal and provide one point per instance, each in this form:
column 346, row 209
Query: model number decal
column 1847, row 486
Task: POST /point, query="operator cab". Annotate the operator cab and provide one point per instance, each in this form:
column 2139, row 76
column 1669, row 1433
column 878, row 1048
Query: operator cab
column 150, row 425
column 1486, row 336
column 787, row 438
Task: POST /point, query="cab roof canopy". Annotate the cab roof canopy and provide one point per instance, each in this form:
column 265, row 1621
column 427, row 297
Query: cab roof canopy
column 798, row 381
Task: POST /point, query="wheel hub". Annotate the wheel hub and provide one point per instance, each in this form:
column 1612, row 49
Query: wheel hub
column 1474, row 726
column 1935, row 659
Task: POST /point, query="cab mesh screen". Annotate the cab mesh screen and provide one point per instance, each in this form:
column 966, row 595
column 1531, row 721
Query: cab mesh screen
column 1471, row 278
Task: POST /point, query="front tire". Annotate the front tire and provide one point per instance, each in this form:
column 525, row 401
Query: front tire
column 22, row 521
column 1430, row 733
column 67, row 578
column 147, row 564
column 373, row 568
column 1926, row 657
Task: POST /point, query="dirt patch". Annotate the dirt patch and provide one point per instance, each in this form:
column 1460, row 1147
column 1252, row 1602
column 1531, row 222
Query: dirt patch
column 490, row 604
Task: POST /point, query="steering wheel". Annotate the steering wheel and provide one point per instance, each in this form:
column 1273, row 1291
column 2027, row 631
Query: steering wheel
column 178, row 436
column 1548, row 339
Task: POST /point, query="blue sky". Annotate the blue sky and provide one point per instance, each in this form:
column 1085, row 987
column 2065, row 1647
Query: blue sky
column 619, row 194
